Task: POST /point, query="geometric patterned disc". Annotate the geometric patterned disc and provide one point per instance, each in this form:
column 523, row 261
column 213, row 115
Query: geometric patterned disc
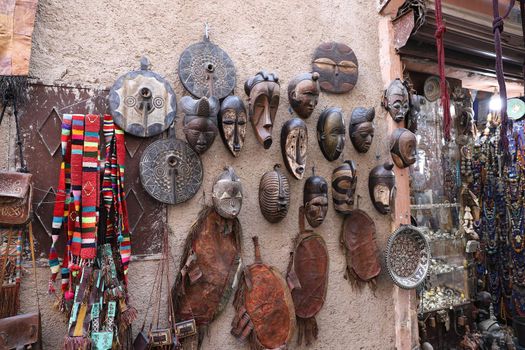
column 170, row 171
column 206, row 70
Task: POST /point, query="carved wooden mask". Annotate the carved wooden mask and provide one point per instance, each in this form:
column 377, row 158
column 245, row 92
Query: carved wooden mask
column 395, row 100
column 331, row 133
column 381, row 186
column 294, row 142
column 274, row 195
column 362, row 128
column 403, row 146
column 337, row 66
column 303, row 93
column 200, row 122
column 232, row 123
column 263, row 95
column 344, row 182
column 227, row 194
column 315, row 200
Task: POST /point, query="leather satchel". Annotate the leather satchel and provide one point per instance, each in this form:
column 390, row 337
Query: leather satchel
column 20, row 332
column 16, row 195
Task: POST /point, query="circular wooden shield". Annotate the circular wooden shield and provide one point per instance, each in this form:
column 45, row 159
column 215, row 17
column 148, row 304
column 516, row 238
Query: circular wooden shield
column 206, row 70
column 170, row 171
column 515, row 108
column 142, row 102
column 337, row 66
column 408, row 257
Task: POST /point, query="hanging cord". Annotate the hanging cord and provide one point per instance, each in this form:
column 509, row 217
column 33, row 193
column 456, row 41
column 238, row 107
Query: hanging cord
column 497, row 29
column 522, row 12
column 32, row 246
column 445, row 100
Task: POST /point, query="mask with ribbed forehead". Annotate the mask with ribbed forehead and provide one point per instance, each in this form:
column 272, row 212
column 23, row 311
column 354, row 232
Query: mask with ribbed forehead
column 274, row 195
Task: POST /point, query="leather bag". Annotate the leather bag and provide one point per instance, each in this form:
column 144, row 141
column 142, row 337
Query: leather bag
column 16, row 195
column 23, row 331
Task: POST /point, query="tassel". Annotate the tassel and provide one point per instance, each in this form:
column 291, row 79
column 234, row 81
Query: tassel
column 77, row 343
column 9, row 300
column 127, row 316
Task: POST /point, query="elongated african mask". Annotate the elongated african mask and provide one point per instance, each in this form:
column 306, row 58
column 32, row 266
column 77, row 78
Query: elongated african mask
column 200, row 121
column 403, row 147
column 303, row 93
column 294, row 141
column 331, row 133
column 395, row 100
column 381, row 185
column 337, row 66
column 263, row 95
column 274, row 195
column 344, row 181
column 315, row 200
column 232, row 123
column 227, row 194
column 362, row 128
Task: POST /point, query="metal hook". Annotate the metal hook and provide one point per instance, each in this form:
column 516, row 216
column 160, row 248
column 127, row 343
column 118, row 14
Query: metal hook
column 357, row 202
column 206, row 31
column 313, row 170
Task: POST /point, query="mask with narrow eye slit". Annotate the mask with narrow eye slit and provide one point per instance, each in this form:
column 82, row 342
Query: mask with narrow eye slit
column 232, row 123
column 303, row 93
column 294, row 141
column 331, row 133
column 337, row 67
column 362, row 128
column 227, row 194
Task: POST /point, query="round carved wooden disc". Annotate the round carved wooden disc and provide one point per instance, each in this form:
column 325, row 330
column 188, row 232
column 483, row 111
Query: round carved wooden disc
column 170, row 171
column 337, row 66
column 206, row 70
column 142, row 103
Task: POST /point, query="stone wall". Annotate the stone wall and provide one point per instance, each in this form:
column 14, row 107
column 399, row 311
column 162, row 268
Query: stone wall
column 91, row 43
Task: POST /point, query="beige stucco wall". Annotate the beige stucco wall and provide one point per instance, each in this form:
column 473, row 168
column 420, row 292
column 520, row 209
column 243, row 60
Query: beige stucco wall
column 93, row 42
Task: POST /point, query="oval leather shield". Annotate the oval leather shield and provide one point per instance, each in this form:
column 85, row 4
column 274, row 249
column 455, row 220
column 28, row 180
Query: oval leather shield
column 206, row 70
column 142, row 102
column 170, row 171
column 358, row 239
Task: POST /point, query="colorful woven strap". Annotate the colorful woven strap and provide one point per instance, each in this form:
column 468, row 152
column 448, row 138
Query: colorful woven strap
column 90, row 188
column 124, row 237
column 77, row 145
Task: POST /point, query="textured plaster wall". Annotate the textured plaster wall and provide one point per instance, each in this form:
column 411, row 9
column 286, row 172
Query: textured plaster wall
column 93, row 42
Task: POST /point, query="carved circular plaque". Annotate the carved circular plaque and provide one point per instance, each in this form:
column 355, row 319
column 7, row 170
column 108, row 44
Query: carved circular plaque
column 431, row 88
column 408, row 257
column 142, row 102
column 337, row 66
column 170, row 171
column 206, row 70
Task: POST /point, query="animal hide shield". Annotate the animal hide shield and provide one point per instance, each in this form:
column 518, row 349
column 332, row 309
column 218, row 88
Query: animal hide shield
column 209, row 267
column 307, row 277
column 264, row 307
column 358, row 240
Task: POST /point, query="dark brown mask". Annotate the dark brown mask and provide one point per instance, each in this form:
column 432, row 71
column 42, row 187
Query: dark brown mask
column 232, row 123
column 200, row 122
column 315, row 200
column 274, row 195
column 395, row 100
column 381, row 185
column 362, row 128
column 337, row 66
column 331, row 133
column 303, row 93
column 344, row 181
column 227, row 194
column 403, row 147
column 263, row 95
column 294, row 141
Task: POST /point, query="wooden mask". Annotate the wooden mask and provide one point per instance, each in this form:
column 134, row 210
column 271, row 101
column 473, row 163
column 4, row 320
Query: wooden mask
column 395, row 100
column 315, row 200
column 274, row 195
column 303, row 93
column 381, row 185
column 263, row 96
column 227, row 194
column 337, row 66
column 362, row 128
column 344, row 182
column 294, row 142
column 403, row 146
column 200, row 121
column 232, row 123
column 331, row 133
